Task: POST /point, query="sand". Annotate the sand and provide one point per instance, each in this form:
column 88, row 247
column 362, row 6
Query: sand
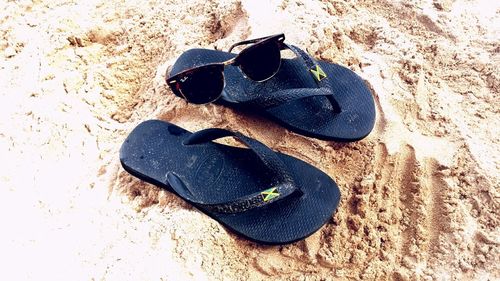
column 420, row 194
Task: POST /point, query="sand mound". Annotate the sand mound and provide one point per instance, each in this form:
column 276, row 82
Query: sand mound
column 420, row 194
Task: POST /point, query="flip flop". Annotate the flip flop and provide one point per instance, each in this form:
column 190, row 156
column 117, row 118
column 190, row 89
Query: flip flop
column 265, row 196
column 313, row 98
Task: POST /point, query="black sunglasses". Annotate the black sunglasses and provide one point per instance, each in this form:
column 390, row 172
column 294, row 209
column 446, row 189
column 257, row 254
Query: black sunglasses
column 204, row 84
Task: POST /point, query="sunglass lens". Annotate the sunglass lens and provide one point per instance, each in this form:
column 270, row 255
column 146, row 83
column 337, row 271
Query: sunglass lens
column 201, row 85
column 261, row 61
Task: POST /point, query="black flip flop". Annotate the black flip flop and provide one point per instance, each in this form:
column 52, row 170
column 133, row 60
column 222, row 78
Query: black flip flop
column 313, row 98
column 265, row 196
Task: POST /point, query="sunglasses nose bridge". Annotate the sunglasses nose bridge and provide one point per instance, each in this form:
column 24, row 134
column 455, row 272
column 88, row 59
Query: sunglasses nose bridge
column 233, row 61
column 243, row 72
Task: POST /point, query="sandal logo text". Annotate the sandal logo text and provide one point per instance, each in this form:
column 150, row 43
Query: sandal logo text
column 269, row 194
column 318, row 73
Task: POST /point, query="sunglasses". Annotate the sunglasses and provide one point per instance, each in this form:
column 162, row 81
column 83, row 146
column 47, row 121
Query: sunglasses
column 204, row 84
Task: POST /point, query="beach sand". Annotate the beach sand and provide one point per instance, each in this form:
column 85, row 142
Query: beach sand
column 420, row 195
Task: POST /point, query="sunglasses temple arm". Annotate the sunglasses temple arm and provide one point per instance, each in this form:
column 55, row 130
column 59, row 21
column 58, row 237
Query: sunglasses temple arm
column 247, row 42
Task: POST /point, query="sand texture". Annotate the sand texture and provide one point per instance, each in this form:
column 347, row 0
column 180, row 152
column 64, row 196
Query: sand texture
column 420, row 193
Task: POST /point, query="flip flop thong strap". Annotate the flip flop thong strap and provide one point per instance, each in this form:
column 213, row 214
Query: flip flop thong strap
column 282, row 185
column 312, row 66
column 276, row 98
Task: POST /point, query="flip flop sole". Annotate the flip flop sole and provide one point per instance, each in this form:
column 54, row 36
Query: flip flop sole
column 351, row 117
column 217, row 172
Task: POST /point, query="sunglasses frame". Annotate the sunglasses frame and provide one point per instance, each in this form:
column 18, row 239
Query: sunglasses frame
column 174, row 81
